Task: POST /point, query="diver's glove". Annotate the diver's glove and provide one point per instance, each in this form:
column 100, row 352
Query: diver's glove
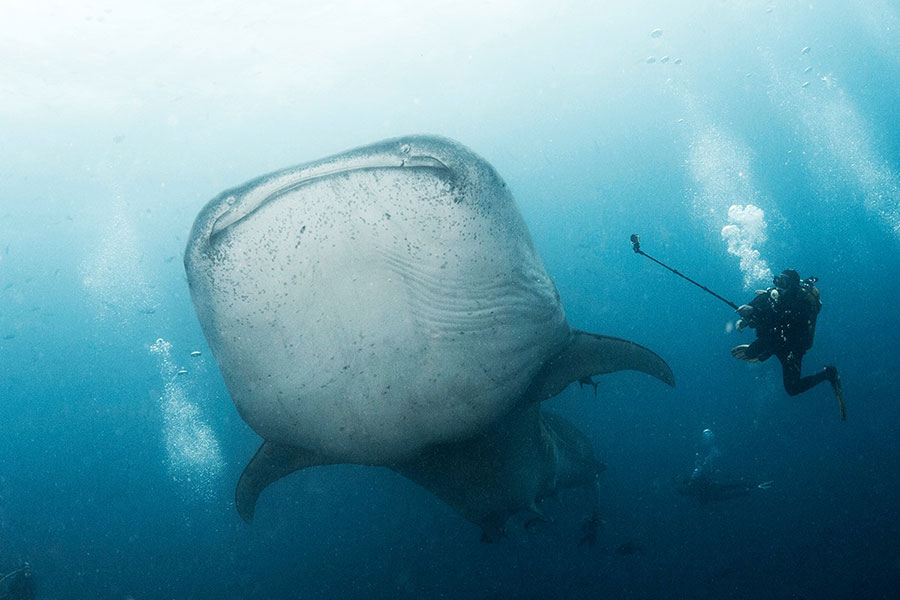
column 747, row 313
column 745, row 310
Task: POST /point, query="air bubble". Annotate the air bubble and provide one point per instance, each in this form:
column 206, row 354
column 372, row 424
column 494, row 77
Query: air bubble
column 194, row 455
column 404, row 148
column 656, row 33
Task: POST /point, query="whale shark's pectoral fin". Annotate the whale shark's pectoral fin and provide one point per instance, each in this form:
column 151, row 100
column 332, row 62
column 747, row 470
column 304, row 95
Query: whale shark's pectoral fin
column 270, row 463
column 589, row 354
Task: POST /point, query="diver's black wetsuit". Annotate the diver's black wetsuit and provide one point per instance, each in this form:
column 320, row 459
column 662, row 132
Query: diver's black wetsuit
column 785, row 323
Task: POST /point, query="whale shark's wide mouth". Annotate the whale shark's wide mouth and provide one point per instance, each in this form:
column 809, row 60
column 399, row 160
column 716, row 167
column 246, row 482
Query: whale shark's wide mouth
column 254, row 195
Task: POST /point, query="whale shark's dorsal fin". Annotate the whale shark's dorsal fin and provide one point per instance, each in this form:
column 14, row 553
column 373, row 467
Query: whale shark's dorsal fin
column 590, row 354
column 270, row 463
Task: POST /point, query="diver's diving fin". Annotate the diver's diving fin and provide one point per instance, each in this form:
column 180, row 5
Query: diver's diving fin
column 590, row 354
column 270, row 463
column 835, row 381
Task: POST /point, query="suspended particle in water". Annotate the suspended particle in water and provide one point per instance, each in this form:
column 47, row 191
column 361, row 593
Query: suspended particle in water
column 195, row 353
column 651, row 60
column 182, row 372
column 804, row 50
column 677, row 61
column 664, row 59
column 656, row 33
column 804, row 84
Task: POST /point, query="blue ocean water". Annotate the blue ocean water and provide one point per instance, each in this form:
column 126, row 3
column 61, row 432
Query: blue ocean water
column 738, row 139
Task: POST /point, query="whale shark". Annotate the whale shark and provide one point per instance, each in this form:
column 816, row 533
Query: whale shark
column 386, row 306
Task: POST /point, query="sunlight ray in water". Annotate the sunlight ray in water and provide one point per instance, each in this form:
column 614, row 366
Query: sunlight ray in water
column 720, row 168
column 839, row 146
column 112, row 274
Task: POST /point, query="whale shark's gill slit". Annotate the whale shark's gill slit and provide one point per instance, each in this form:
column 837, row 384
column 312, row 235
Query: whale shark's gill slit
column 445, row 305
column 243, row 211
column 444, row 293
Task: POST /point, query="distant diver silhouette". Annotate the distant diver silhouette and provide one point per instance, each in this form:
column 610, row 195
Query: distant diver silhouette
column 701, row 484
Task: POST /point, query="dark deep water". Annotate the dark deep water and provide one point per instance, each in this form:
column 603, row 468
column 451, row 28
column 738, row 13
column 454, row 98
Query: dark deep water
column 770, row 126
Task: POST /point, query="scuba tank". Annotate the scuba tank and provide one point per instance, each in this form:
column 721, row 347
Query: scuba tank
column 810, row 295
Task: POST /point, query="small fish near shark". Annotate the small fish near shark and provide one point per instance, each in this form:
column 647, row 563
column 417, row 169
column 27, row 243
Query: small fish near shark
column 386, row 306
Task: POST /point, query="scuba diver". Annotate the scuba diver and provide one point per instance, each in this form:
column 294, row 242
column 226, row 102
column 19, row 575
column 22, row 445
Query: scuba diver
column 784, row 317
column 18, row 584
column 703, row 486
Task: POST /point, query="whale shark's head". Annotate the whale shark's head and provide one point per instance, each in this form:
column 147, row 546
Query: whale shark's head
column 442, row 157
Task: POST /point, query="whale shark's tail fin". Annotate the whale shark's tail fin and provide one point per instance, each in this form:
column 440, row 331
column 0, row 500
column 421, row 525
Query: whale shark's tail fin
column 270, row 463
column 589, row 354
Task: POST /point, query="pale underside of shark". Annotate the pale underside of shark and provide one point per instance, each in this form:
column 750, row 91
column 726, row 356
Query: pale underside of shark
column 386, row 306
